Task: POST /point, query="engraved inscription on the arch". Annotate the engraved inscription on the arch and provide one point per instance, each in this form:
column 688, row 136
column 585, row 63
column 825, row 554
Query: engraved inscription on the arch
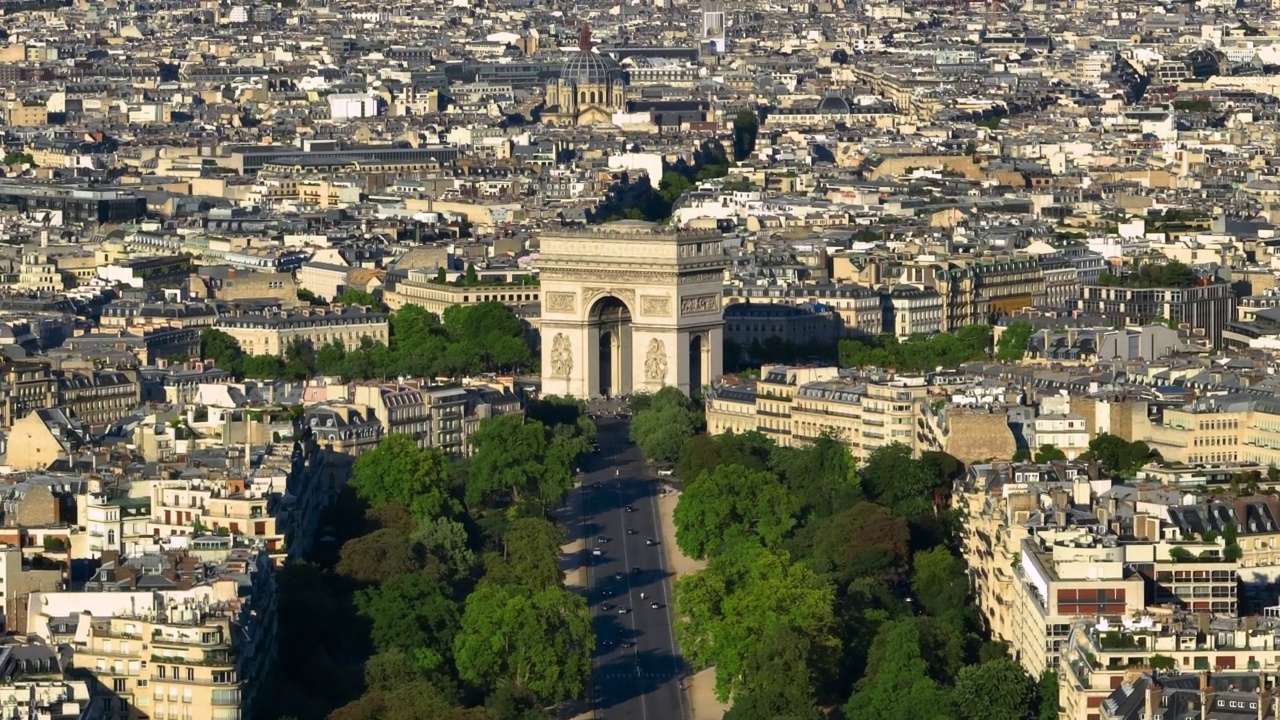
column 561, row 301
column 655, row 306
column 623, row 277
column 700, row 304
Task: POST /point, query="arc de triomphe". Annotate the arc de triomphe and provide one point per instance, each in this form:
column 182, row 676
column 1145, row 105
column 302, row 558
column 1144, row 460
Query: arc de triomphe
column 630, row 306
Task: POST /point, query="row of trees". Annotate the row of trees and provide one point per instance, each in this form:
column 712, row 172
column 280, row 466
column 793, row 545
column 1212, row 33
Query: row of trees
column 468, row 340
column 442, row 595
column 824, row 577
column 919, row 353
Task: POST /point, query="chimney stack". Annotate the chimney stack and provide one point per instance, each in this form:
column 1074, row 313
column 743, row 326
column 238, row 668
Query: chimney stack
column 1153, row 698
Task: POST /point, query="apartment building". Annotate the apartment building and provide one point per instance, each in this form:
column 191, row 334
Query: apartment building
column 99, row 397
column 859, row 308
column 731, row 406
column 1223, row 429
column 420, row 288
column 1230, row 695
column 345, row 428
column 913, row 309
column 751, row 324
column 829, row 407
column 32, row 685
column 1100, row 656
column 228, row 506
column 1049, row 546
column 121, row 525
column 890, row 412
column 1062, row 574
column 176, row 664
column 24, row 388
column 774, row 393
column 795, row 405
column 1064, row 431
column 1208, row 306
column 400, row 409
column 974, row 290
column 270, row 333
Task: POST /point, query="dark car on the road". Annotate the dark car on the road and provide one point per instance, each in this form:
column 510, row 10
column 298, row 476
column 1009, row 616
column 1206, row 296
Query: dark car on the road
column 629, row 508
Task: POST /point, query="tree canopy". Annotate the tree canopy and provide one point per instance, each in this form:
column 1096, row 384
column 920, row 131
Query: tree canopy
column 731, row 503
column 400, row 471
column 919, row 353
column 731, row 607
column 664, row 424
column 823, row 577
column 471, row 339
column 434, row 606
column 540, row 640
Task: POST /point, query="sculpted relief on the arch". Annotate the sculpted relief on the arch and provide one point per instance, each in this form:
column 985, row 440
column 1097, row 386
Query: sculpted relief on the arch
column 655, row 361
column 561, row 356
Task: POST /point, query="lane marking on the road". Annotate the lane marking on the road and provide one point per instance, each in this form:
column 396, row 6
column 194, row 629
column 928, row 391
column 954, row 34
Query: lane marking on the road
column 666, row 599
column 626, row 563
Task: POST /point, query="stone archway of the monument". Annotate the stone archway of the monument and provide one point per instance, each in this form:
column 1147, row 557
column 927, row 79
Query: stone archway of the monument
column 610, row 357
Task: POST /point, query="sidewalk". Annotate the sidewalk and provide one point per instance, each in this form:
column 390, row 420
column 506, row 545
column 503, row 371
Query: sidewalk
column 699, row 687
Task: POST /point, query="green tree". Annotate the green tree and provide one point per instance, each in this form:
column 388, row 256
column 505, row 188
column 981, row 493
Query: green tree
column 1047, row 694
column 536, row 641
column 995, row 690
column 447, row 541
column 1013, row 341
column 530, row 555
column 939, row 581
column 410, row 701
column 378, row 556
column 1049, row 453
column 663, row 427
column 399, row 471
column 751, row 450
column 728, row 609
column 905, row 484
column 331, row 358
column 522, row 459
column 221, row 348
column 15, row 157
column 823, row 476
column 413, row 613
column 485, row 337
column 510, row 703
column 262, row 367
column 732, row 503
column 865, row 541
column 781, row 683
column 898, row 684
column 353, row 297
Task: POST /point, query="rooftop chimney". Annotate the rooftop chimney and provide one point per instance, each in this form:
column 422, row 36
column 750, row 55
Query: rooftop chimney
column 1153, row 699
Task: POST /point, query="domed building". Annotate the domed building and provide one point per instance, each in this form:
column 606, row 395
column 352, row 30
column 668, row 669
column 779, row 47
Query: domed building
column 589, row 91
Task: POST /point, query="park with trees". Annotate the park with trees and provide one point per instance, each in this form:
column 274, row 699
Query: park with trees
column 830, row 589
column 437, row 591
